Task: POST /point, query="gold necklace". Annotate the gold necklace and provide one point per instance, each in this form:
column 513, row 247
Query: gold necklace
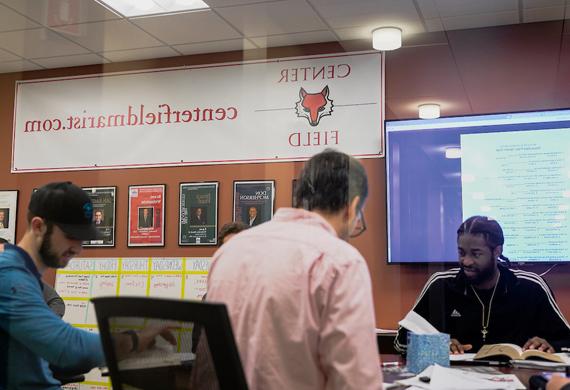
column 485, row 324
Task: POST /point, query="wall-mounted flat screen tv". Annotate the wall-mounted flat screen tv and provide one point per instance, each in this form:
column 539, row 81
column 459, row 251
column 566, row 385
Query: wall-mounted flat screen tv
column 513, row 167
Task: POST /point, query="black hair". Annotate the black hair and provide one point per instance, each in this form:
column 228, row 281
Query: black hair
column 49, row 224
column 4, row 241
column 231, row 228
column 329, row 181
column 30, row 216
column 488, row 228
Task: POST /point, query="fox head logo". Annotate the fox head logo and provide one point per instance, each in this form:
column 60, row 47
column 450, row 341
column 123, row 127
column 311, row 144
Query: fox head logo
column 314, row 106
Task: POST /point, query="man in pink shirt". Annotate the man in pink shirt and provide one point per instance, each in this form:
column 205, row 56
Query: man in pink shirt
column 299, row 296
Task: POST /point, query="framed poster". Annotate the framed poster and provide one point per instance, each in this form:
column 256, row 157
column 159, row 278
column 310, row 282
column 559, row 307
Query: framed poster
column 198, row 214
column 146, row 215
column 253, row 201
column 104, row 200
column 8, row 209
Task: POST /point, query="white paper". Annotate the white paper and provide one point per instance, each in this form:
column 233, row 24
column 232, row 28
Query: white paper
column 386, row 331
column 543, row 364
column 417, row 324
column 462, row 357
column 442, row 378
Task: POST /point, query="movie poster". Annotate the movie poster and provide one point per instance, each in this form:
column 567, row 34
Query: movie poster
column 253, row 201
column 146, row 215
column 8, row 208
column 104, row 200
column 198, row 214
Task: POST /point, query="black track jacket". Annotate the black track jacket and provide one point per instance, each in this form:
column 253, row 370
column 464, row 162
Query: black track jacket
column 523, row 307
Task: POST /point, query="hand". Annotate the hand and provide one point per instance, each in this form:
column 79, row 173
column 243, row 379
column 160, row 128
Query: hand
column 539, row 344
column 147, row 336
column 456, row 347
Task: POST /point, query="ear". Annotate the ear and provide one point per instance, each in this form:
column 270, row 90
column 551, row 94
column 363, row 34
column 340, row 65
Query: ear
column 497, row 251
column 325, row 91
column 302, row 93
column 38, row 226
column 353, row 207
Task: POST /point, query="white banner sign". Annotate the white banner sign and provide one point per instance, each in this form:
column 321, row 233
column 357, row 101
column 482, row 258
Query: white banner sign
column 274, row 110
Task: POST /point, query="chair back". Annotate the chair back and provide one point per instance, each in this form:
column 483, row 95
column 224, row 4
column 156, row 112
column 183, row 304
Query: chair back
column 165, row 366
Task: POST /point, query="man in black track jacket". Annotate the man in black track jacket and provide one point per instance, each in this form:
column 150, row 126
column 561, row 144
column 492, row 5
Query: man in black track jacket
column 483, row 302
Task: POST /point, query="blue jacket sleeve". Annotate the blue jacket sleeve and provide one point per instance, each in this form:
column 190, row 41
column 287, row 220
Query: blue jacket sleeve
column 25, row 317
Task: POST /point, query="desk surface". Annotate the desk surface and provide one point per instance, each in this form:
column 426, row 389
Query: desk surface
column 179, row 376
column 523, row 374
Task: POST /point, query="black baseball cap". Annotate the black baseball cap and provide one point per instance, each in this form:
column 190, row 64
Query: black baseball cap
column 68, row 207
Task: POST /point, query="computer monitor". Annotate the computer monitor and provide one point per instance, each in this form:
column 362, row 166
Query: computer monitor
column 513, row 167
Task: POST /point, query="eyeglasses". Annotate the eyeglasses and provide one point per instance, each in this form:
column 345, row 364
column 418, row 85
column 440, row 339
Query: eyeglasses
column 360, row 226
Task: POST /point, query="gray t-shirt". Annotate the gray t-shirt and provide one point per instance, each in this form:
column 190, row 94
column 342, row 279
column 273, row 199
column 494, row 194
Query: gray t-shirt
column 53, row 300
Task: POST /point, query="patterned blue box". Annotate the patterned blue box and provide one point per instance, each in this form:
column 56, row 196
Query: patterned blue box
column 427, row 349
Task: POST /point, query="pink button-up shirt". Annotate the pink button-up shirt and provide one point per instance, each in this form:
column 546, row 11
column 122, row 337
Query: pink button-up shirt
column 300, row 302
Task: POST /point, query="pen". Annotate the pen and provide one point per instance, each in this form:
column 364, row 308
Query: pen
column 390, row 364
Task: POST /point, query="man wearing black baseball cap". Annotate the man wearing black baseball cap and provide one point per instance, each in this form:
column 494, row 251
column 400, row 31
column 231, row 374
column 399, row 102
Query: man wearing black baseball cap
column 31, row 335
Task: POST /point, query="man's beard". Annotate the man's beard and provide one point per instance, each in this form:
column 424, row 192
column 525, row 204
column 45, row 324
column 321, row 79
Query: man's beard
column 482, row 276
column 49, row 258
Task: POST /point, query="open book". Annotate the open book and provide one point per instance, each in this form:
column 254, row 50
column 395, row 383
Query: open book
column 514, row 352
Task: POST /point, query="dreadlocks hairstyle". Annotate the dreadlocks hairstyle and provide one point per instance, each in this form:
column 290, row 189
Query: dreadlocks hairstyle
column 488, row 228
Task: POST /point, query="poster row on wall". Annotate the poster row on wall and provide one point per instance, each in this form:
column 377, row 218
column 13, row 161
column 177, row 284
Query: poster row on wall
column 253, row 203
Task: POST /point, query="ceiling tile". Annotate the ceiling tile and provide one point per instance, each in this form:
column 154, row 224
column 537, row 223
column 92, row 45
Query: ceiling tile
column 434, row 25
column 67, row 61
column 113, row 35
column 422, row 71
column 38, row 43
column 449, row 8
column 451, row 104
column 493, row 58
column 346, row 34
column 428, row 9
column 563, row 77
column 140, row 54
column 365, row 33
column 190, row 27
column 17, row 66
column 280, row 17
column 10, row 20
column 480, row 20
column 543, row 14
column 214, row 47
column 542, row 3
column 426, row 39
column 295, row 39
column 231, row 3
column 370, row 14
column 52, row 13
column 5, row 56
